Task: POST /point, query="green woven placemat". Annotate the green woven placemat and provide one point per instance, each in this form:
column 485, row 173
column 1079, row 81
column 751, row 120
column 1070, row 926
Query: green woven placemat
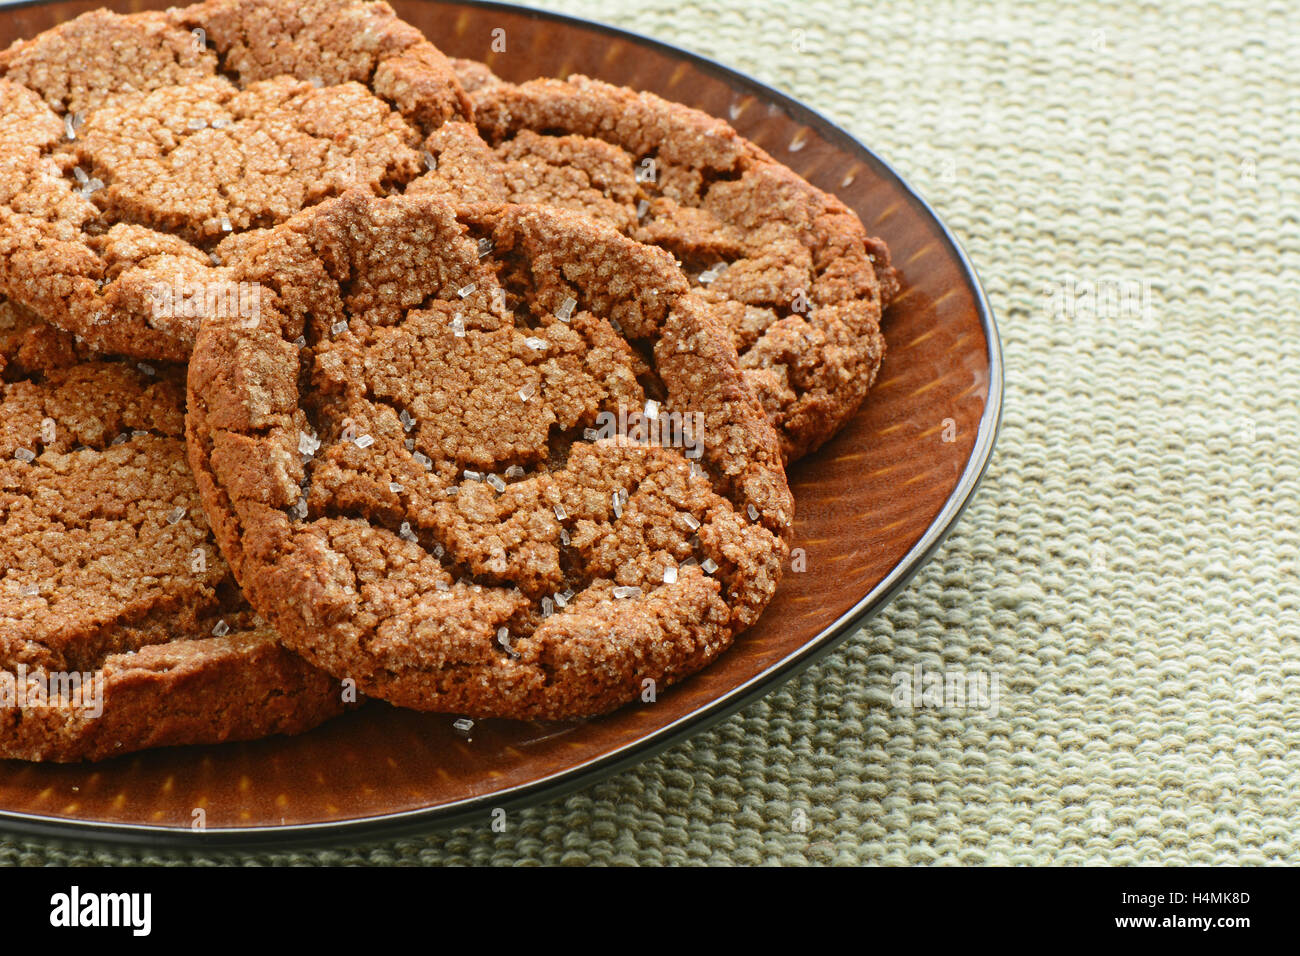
column 1126, row 184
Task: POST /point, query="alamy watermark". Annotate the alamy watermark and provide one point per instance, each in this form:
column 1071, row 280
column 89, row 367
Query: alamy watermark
column 196, row 300
column 75, row 908
column 23, row 689
column 1079, row 299
column 952, row 688
column 651, row 426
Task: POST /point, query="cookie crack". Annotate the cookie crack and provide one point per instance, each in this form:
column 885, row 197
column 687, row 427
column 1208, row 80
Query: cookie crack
column 422, row 536
column 134, row 628
column 148, row 629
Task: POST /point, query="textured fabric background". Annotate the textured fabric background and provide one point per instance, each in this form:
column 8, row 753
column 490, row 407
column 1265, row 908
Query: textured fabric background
column 1129, row 569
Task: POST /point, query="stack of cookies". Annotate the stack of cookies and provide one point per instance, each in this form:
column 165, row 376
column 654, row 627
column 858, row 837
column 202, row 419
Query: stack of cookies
column 334, row 369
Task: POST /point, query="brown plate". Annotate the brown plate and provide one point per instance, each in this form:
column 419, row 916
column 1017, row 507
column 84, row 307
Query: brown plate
column 873, row 505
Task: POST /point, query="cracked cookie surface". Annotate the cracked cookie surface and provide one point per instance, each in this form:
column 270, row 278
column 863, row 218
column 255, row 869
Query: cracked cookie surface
column 791, row 269
column 110, row 570
column 489, row 459
column 135, row 150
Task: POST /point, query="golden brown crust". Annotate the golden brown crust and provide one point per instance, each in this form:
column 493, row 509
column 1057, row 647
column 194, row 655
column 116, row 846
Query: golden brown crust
column 30, row 347
column 472, row 74
column 333, row 42
column 242, row 686
column 396, row 461
column 109, row 569
column 79, row 64
column 791, row 269
column 132, row 146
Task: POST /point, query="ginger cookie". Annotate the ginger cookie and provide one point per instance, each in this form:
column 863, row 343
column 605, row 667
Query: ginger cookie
column 493, row 460
column 136, row 149
column 121, row 626
column 791, row 270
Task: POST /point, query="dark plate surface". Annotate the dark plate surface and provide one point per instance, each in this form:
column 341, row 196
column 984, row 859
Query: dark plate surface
column 873, row 505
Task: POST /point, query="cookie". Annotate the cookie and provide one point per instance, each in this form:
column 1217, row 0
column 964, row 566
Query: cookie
column 791, row 269
column 30, row 347
column 121, row 626
column 136, row 149
column 492, row 460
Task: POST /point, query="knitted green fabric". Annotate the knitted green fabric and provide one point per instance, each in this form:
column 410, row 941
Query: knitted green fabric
column 1126, row 183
